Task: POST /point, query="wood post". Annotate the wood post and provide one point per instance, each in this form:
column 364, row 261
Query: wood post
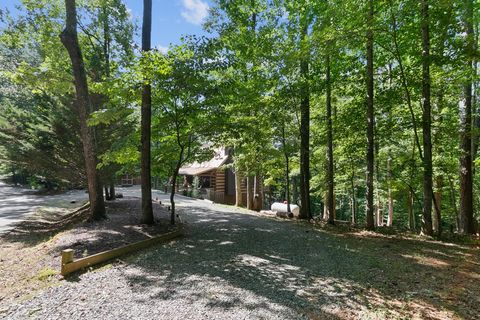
column 67, row 256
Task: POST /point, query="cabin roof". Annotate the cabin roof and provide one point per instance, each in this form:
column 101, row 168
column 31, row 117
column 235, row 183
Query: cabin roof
column 198, row 168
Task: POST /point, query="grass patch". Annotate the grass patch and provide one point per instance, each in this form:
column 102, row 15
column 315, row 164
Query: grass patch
column 46, row 273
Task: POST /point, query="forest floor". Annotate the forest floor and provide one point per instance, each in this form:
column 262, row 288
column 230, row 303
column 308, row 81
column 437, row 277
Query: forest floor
column 236, row 264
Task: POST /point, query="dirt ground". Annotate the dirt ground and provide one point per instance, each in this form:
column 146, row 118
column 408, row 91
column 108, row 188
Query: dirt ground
column 30, row 255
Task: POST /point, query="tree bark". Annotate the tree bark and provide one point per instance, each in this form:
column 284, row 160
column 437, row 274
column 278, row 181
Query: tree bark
column 411, row 214
column 174, row 186
column 390, row 196
column 107, row 194
column 370, row 224
column 426, row 123
column 69, row 39
column 257, row 193
column 249, row 193
column 330, row 162
column 437, row 216
column 146, row 115
column 466, row 219
column 354, row 198
column 238, row 188
column 287, row 169
column 112, row 191
column 305, row 212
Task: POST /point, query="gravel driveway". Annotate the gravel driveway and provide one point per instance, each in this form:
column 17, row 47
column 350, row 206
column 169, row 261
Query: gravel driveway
column 231, row 265
column 236, row 265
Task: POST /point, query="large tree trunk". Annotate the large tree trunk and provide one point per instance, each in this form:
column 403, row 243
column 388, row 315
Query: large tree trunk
column 466, row 223
column 305, row 212
column 370, row 223
column 329, row 204
column 147, row 212
column 426, row 123
column 69, row 39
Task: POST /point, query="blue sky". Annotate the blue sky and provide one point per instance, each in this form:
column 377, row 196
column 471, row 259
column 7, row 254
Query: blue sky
column 170, row 18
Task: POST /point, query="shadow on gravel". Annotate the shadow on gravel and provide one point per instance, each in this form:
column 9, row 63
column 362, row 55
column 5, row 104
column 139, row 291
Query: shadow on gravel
column 42, row 226
column 310, row 272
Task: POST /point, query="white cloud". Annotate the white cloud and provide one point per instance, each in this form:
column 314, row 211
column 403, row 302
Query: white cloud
column 162, row 49
column 194, row 11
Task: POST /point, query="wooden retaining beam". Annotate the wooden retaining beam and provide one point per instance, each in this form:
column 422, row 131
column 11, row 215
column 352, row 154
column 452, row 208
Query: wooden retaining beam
column 70, row 265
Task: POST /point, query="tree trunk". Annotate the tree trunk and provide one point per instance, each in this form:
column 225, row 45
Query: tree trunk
column 390, row 196
column 112, row 191
column 370, row 224
column 107, row 194
column 258, row 193
column 437, row 216
column 305, row 212
column 146, row 111
column 454, row 200
column 238, row 188
column 466, row 223
column 287, row 169
column 249, row 193
column 426, row 123
column 175, row 186
column 379, row 213
column 287, row 182
column 329, row 204
column 354, row 199
column 69, row 39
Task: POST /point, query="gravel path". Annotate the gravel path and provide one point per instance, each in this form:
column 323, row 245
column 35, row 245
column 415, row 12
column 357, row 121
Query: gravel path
column 235, row 265
column 16, row 204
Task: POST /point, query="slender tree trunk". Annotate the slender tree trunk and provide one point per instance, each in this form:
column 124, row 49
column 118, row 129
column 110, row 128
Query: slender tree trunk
column 370, row 224
column 330, row 163
column 107, row 194
column 69, row 39
column 390, row 196
column 249, row 193
column 146, row 111
column 426, row 123
column 287, row 181
column 287, row 168
column 238, row 188
column 174, row 185
column 466, row 223
column 305, row 212
column 437, row 216
column 354, row 198
column 257, row 193
column 112, row 191
column 411, row 214
column 379, row 213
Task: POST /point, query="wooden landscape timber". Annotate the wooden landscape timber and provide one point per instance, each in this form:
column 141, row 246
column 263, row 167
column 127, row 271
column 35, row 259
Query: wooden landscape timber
column 70, row 265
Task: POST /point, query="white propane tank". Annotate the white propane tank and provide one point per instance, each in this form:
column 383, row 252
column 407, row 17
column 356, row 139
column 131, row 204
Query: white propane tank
column 282, row 207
